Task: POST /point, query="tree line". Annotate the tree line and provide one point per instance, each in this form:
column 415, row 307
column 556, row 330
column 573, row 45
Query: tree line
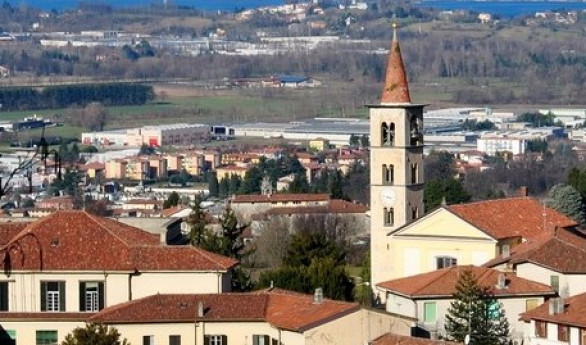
column 63, row 96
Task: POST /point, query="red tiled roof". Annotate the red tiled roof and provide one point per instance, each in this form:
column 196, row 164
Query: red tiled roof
column 396, row 87
column 442, row 283
column 561, row 251
column 279, row 198
column 574, row 313
column 283, row 309
column 334, row 206
column 9, row 230
column 95, row 166
column 511, row 217
column 144, row 202
column 172, row 210
column 395, row 339
column 77, row 240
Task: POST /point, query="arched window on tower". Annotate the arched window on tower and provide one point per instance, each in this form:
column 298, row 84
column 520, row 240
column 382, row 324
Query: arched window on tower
column 414, row 213
column 414, row 173
column 388, row 174
column 384, row 133
column 389, row 216
column 392, row 134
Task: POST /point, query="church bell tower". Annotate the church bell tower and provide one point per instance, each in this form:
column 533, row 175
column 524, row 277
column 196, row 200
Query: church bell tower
column 396, row 165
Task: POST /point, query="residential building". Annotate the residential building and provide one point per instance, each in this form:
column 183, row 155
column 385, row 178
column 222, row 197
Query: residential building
column 319, row 144
column 56, row 203
column 226, row 171
column 174, row 162
column 157, row 167
column 396, row 164
column 428, row 296
column 116, row 169
column 247, row 205
column 142, row 204
column 469, row 234
column 556, row 258
column 137, row 169
column 515, row 141
column 95, row 170
column 396, row 339
column 67, row 266
column 270, row 316
column 193, row 163
column 180, row 134
column 558, row 322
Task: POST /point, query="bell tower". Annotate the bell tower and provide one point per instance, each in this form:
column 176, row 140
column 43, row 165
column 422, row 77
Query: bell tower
column 396, row 166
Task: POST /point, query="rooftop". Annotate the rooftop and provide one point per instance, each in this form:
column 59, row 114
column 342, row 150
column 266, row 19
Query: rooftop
column 574, row 313
column 55, row 242
column 442, row 283
column 279, row 198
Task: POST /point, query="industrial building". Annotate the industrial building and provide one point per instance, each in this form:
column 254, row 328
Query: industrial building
column 181, row 134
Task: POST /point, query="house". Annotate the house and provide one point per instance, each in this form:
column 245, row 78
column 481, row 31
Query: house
column 271, row 316
column 60, row 270
column 56, row 203
column 94, row 170
column 558, row 322
column 557, row 258
column 469, row 234
column 428, row 296
column 142, row 204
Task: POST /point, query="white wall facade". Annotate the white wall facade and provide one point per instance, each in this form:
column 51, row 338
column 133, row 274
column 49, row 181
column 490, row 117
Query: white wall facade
column 569, row 284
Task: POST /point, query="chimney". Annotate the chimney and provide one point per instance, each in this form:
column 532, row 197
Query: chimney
column 505, row 251
column 556, row 306
column 318, row 296
column 200, row 309
column 163, row 238
column 523, row 191
column 501, row 282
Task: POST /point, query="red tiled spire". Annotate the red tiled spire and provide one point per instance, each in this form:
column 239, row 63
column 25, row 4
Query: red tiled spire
column 396, row 88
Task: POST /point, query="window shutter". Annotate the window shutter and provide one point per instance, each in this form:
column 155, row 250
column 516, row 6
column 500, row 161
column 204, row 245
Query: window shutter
column 81, row 296
column 61, row 296
column 101, row 295
column 43, row 296
column 224, row 340
column 4, row 296
column 206, row 340
column 267, row 340
column 255, row 340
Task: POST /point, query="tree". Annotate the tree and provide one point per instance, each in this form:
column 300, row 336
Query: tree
column 567, row 200
column 299, row 184
column 224, row 188
column 213, row 185
column 335, row 185
column 197, row 221
column 94, row 334
column 172, row 200
column 476, row 312
column 450, row 190
column 92, row 117
column 146, row 150
column 364, row 141
column 354, row 140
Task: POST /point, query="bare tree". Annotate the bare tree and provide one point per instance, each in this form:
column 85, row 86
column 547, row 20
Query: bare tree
column 271, row 244
column 92, row 117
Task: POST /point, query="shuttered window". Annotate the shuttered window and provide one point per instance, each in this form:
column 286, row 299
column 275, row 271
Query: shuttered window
column 215, row 340
column 429, row 312
column 46, row 338
column 52, row 296
column 91, row 296
column 3, row 296
column 261, row 339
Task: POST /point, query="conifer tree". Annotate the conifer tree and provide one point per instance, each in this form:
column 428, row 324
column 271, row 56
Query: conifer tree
column 213, row 185
column 475, row 312
column 198, row 223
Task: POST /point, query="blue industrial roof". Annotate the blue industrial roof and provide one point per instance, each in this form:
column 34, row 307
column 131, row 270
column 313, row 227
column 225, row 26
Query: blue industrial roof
column 292, row 79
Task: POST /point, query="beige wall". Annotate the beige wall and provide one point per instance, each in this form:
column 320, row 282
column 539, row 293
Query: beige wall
column 414, row 249
column 26, row 331
column 570, row 284
column 115, row 169
column 25, row 289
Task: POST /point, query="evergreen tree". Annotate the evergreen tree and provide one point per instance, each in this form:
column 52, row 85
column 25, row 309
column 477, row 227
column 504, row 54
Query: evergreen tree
column 299, row 184
column 320, row 185
column 354, row 140
column 224, row 188
column 234, row 185
column 94, row 334
column 475, row 312
column 335, row 185
column 197, row 221
column 567, row 200
column 213, row 185
column 364, row 141
column 437, row 189
column 172, row 200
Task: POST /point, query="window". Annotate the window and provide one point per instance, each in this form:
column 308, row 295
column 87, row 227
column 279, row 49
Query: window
column 52, row 296
column 389, row 214
column 563, row 333
column 414, row 213
column 445, row 261
column 414, row 173
column 215, row 340
column 388, row 174
column 46, row 337
column 174, row 340
column 91, row 296
column 148, row 340
column 554, row 282
column 429, row 312
column 541, row 329
column 3, row 296
column 531, row 304
column 582, row 336
column 387, row 134
column 275, row 342
column 261, row 340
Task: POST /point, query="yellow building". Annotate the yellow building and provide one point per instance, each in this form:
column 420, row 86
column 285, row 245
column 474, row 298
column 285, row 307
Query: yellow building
column 227, row 171
column 116, row 169
column 319, row 144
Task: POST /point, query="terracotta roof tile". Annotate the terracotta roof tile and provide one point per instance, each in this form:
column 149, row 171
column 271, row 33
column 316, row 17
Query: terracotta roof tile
column 9, row 230
column 561, row 251
column 283, row 309
column 172, row 210
column 279, row 198
column 395, row 339
column 396, row 87
column 574, row 313
column 511, row 217
column 334, row 206
column 77, row 240
column 442, row 283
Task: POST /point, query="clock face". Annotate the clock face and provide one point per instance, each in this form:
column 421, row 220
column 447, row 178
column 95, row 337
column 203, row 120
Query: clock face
column 388, row 197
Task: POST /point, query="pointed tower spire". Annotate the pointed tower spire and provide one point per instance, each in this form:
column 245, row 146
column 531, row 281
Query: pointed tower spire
column 396, row 88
